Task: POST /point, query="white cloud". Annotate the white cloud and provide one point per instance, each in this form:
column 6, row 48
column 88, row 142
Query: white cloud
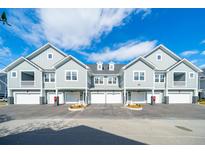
column 77, row 28
column 68, row 28
column 195, row 61
column 203, row 42
column 202, row 66
column 5, row 52
column 124, row 52
column 203, row 52
column 25, row 27
column 189, row 52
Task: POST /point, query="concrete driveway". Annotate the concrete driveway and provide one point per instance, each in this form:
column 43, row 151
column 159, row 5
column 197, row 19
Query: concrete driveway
column 159, row 111
column 102, row 124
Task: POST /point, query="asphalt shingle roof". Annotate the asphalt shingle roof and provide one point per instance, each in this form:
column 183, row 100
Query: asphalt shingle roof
column 105, row 69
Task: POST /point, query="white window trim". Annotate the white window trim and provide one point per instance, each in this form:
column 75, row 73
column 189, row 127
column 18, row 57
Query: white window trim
column 100, row 69
column 112, row 80
column 179, row 72
column 112, row 67
column 193, row 75
column 71, row 75
column 99, row 83
column 49, row 77
column 133, row 76
column 159, row 78
column 12, row 73
column 157, row 57
column 28, row 71
column 48, row 56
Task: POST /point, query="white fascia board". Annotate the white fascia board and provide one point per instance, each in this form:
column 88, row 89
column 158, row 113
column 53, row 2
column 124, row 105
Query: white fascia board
column 188, row 63
column 163, row 47
column 44, row 46
column 140, row 58
column 67, row 58
column 30, row 62
column 5, row 69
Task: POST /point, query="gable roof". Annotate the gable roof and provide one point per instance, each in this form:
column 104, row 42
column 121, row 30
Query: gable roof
column 19, row 61
column 188, row 63
column 43, row 48
column 143, row 60
column 66, row 59
column 105, row 69
column 165, row 49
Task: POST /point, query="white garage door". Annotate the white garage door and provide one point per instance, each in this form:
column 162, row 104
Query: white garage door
column 114, row 97
column 158, row 97
column 98, row 98
column 138, row 97
column 180, row 98
column 27, row 98
column 72, row 97
column 51, row 96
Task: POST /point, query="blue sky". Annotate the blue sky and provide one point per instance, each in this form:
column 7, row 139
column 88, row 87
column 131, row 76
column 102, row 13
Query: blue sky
column 104, row 34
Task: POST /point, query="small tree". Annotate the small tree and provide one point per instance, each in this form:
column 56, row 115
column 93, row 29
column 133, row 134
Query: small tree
column 4, row 19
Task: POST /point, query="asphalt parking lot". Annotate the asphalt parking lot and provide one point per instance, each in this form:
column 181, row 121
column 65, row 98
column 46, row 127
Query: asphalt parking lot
column 102, row 124
column 111, row 111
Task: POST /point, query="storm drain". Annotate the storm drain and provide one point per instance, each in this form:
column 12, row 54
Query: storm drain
column 184, row 128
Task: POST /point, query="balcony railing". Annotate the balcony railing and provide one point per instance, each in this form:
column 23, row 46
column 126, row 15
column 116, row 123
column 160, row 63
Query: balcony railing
column 179, row 83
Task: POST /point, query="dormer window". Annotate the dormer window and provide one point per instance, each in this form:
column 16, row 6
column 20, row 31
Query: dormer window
column 111, row 66
column 159, row 57
column 50, row 56
column 99, row 66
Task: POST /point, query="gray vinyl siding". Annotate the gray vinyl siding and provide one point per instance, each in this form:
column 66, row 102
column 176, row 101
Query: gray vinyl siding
column 160, row 85
column 202, row 84
column 42, row 60
column 139, row 66
column 71, row 65
column 3, row 87
column 190, row 83
column 166, row 62
column 49, row 85
column 121, row 80
column 89, row 81
column 105, row 84
column 24, row 66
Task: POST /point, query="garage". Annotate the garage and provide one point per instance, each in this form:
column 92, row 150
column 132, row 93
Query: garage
column 157, row 95
column 72, row 97
column 51, row 95
column 114, row 97
column 106, row 97
column 177, row 98
column 98, row 98
column 27, row 98
column 138, row 97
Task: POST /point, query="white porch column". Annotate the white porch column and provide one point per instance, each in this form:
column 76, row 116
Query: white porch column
column 86, row 96
column 9, row 92
column 124, row 93
column 56, row 92
column 166, row 85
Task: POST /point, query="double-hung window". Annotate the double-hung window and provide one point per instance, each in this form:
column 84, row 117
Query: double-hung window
column 159, row 78
column 139, row 76
column 71, row 76
column 98, row 80
column 49, row 77
column 112, row 80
